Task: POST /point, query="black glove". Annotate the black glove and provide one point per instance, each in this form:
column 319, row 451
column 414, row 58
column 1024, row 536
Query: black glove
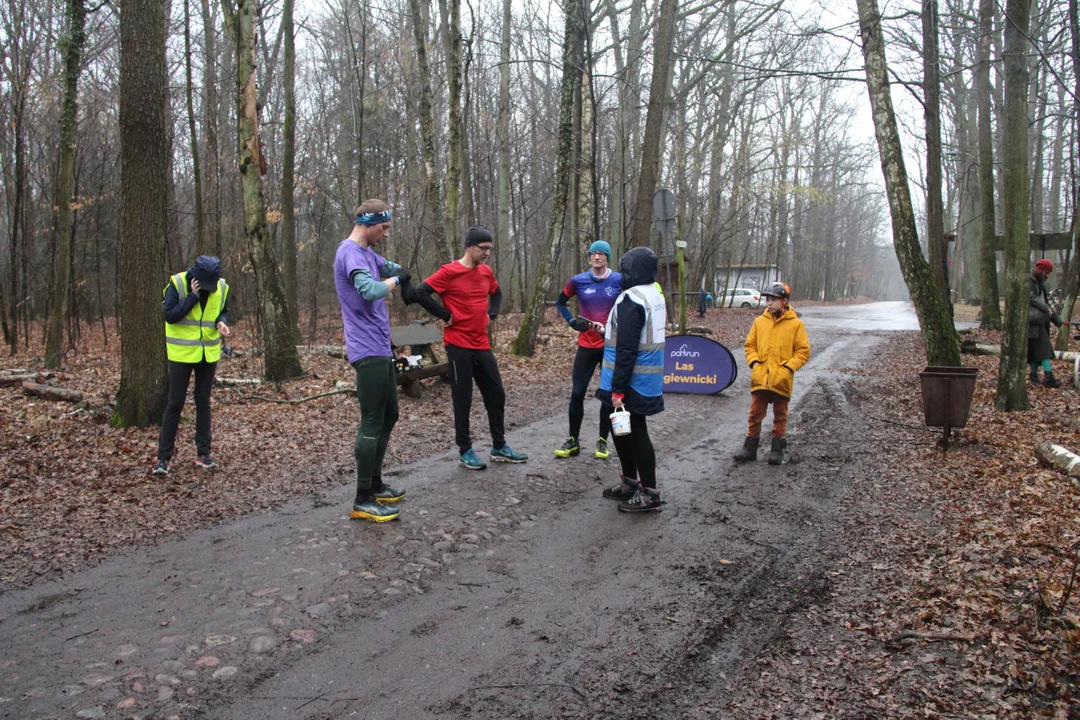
column 580, row 324
column 408, row 292
column 402, row 275
column 1056, row 319
column 492, row 315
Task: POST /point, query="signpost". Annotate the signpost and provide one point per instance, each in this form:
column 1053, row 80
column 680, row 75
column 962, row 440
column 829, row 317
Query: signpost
column 680, row 245
column 698, row 365
column 665, row 223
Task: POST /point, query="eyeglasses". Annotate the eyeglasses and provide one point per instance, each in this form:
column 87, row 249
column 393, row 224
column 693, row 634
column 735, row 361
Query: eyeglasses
column 483, row 248
column 597, row 254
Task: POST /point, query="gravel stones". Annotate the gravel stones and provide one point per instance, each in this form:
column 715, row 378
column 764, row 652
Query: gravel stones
column 226, row 672
column 319, row 610
column 262, row 644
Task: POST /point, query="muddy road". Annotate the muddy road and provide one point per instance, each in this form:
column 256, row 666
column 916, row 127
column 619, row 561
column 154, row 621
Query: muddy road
column 513, row 592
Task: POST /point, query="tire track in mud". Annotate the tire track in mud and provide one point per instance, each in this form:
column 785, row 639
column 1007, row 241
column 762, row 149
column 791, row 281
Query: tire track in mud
column 677, row 655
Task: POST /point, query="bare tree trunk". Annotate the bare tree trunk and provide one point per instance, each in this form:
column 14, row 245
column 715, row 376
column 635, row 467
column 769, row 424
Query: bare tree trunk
column 288, row 162
column 988, row 280
column 453, row 166
column 200, row 220
column 209, row 118
column 468, row 202
column 938, row 332
column 503, row 233
column 72, row 46
column 140, row 401
column 1072, row 277
column 427, row 130
column 935, row 213
column 1012, row 389
column 663, row 57
column 280, row 360
column 17, row 214
column 525, row 343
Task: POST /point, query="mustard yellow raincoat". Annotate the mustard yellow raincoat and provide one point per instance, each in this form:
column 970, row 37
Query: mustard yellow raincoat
column 779, row 347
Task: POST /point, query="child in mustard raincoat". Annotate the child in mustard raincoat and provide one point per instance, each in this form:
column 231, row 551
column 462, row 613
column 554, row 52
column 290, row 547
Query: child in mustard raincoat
column 775, row 348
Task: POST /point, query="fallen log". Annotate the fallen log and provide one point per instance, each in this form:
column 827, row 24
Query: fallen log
column 297, row 401
column 12, row 380
column 916, row 635
column 1059, row 458
column 410, row 379
column 970, row 347
column 331, row 350
column 974, row 348
column 48, row 392
column 235, row 382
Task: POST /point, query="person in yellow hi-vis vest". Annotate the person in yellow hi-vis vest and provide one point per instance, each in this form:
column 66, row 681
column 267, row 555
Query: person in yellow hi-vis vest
column 196, row 304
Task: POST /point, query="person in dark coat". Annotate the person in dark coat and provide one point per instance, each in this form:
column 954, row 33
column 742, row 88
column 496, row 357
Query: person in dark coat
column 702, row 302
column 1040, row 350
column 632, row 376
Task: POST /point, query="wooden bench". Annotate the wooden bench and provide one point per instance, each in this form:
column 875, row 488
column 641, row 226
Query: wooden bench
column 419, row 336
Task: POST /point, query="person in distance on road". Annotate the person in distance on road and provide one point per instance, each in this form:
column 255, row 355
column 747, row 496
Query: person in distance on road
column 632, row 377
column 775, row 348
column 471, row 300
column 364, row 279
column 596, row 290
column 1039, row 348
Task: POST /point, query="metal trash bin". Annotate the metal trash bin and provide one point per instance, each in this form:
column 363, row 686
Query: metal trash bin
column 946, row 395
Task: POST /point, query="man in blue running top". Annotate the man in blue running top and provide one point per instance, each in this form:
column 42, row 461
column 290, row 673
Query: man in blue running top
column 596, row 290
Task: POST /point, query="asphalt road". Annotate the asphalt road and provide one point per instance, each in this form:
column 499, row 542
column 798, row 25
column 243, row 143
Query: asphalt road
column 514, row 592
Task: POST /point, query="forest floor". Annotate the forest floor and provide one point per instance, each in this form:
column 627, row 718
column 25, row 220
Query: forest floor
column 872, row 576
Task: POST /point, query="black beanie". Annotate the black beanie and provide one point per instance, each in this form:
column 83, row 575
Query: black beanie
column 478, row 234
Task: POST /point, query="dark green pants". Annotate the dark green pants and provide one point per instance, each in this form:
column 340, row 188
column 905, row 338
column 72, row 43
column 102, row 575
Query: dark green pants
column 376, row 389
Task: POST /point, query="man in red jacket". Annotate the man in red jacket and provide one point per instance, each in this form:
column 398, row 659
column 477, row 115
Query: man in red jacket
column 471, row 298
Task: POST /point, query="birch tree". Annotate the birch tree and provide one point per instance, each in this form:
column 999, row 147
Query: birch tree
column 1012, row 383
column 988, row 278
column 280, row 358
column 938, row 332
column 72, row 46
column 525, row 342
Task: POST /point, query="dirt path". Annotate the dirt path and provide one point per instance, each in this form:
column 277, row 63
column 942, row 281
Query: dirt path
column 516, row 592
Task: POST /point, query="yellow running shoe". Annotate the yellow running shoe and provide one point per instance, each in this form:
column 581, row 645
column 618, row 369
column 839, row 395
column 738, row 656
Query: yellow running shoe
column 373, row 511
column 569, row 448
column 602, row 452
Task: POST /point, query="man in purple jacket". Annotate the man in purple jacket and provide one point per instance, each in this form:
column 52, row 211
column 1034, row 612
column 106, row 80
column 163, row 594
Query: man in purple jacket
column 364, row 279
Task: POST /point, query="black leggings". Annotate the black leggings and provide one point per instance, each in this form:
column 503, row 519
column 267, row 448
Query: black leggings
column 467, row 365
column 636, row 452
column 376, row 391
column 585, row 362
column 179, row 377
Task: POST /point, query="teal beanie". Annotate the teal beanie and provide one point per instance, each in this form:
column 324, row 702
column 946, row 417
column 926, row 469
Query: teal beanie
column 601, row 246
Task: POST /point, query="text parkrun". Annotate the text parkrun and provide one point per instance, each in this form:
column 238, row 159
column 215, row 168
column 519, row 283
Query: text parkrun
column 684, row 352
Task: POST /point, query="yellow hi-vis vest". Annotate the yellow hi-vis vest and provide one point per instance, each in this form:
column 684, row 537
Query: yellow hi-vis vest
column 196, row 336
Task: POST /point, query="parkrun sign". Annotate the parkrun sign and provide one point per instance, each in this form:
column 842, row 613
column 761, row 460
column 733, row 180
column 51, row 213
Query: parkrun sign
column 695, row 364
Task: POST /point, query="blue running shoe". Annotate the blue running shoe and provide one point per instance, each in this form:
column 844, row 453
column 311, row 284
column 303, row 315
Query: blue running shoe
column 469, row 460
column 507, row 454
column 374, row 511
column 387, row 494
